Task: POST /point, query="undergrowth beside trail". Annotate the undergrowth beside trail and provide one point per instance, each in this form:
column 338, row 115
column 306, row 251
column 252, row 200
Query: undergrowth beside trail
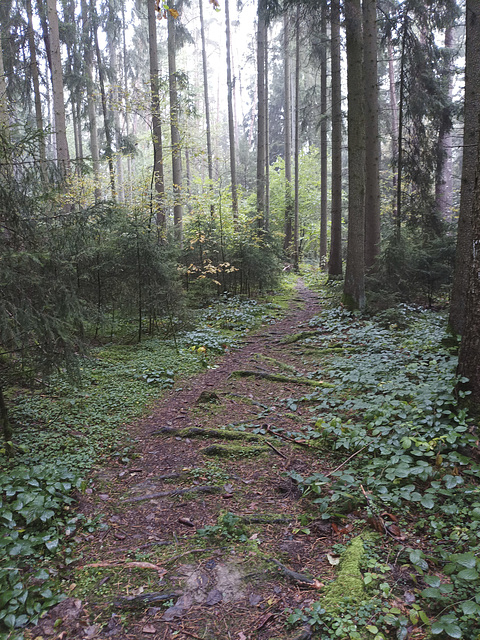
column 64, row 428
column 408, row 464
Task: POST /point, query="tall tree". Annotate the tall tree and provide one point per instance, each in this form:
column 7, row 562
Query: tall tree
column 354, row 286
column 36, row 83
column 158, row 204
column 4, row 119
column 335, row 258
column 207, row 104
column 287, row 136
column 175, row 130
column 261, row 112
column 470, row 138
column 296, row 150
column 231, row 124
column 372, row 139
column 63, row 156
column 443, row 174
column 323, row 136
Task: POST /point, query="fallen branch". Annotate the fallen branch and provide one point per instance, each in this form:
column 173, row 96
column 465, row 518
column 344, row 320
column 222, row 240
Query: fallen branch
column 144, row 599
column 327, row 475
column 297, row 577
column 278, row 377
column 201, row 432
column 232, row 452
column 282, row 455
column 295, row 337
column 176, row 492
column 126, row 565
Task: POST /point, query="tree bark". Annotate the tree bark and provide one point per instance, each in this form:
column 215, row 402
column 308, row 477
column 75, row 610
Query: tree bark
column 4, row 119
column 261, row 102
column 91, row 108
column 296, row 151
column 372, row 139
column 470, row 139
column 158, row 206
column 231, row 124
column 443, row 175
column 63, row 157
column 267, row 145
column 36, row 86
column 335, row 258
column 354, row 286
column 287, row 132
column 394, row 125
column 175, row 132
column 108, row 135
column 323, row 137
column 207, row 106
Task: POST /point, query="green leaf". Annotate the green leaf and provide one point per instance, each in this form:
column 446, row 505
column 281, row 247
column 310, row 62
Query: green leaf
column 52, row 544
column 453, row 630
column 467, row 560
column 437, row 627
column 372, row 628
column 468, row 574
column 427, row 502
column 469, row 607
column 9, row 620
column 433, row 581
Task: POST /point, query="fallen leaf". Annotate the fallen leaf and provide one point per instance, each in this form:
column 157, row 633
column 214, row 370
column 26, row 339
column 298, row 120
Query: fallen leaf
column 149, row 628
column 242, row 636
column 316, row 584
column 333, row 559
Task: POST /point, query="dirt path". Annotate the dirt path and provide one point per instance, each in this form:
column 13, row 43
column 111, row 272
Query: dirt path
column 221, row 585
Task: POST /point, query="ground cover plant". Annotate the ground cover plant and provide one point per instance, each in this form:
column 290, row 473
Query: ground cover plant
column 64, row 428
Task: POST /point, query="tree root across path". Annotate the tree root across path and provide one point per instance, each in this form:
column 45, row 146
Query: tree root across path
column 278, row 377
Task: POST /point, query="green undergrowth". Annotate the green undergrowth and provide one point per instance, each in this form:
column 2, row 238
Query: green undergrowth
column 63, row 429
column 404, row 449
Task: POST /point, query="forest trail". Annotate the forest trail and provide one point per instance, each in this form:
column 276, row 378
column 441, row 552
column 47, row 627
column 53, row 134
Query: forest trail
column 150, row 574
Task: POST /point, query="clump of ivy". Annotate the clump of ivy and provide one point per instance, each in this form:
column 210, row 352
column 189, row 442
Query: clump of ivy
column 229, row 526
column 36, row 524
column 394, row 415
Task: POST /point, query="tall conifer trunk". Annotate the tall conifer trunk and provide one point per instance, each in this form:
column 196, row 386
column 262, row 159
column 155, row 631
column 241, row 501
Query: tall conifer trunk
column 261, row 109
column 335, row 259
column 296, row 151
column 175, row 132
column 231, row 125
column 323, row 137
column 354, row 286
column 287, row 136
column 207, row 106
column 36, row 85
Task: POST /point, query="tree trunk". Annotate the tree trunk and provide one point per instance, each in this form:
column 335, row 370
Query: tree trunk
column 4, row 119
column 207, row 106
column 108, row 136
column 469, row 355
column 63, row 157
column 231, row 124
column 287, row 131
column 323, row 137
column 157, row 205
column 394, row 124
column 36, row 86
column 267, row 145
column 443, row 174
column 91, row 109
column 175, row 132
column 400, row 126
column 261, row 102
column 5, row 425
column 335, row 258
column 354, row 286
column 112, row 38
column 470, row 139
column 372, row 139
column 296, row 151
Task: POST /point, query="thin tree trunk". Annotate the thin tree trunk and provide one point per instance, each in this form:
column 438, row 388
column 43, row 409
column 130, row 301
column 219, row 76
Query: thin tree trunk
column 157, row 176
column 108, row 136
column 128, row 195
column 287, row 129
column 372, row 139
column 63, row 157
column 261, row 104
column 231, row 126
column 4, row 421
column 207, row 107
column 354, row 286
column 115, row 105
column 4, row 118
column 296, row 152
column 323, row 137
column 36, row 87
column 267, row 145
column 443, row 177
column 394, row 123
column 400, row 127
column 335, row 258
column 470, row 140
column 175, row 133
column 91, row 110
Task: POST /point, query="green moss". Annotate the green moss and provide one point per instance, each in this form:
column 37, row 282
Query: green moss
column 233, row 451
column 349, row 580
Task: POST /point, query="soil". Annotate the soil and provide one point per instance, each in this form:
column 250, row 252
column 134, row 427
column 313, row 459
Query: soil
column 222, row 585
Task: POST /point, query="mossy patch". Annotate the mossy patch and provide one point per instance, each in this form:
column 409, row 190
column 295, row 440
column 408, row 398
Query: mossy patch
column 349, row 580
column 233, row 451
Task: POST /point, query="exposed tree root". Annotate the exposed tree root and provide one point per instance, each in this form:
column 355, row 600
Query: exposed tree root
column 276, row 363
column 278, row 377
column 297, row 577
column 233, row 451
column 295, row 337
column 176, row 492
